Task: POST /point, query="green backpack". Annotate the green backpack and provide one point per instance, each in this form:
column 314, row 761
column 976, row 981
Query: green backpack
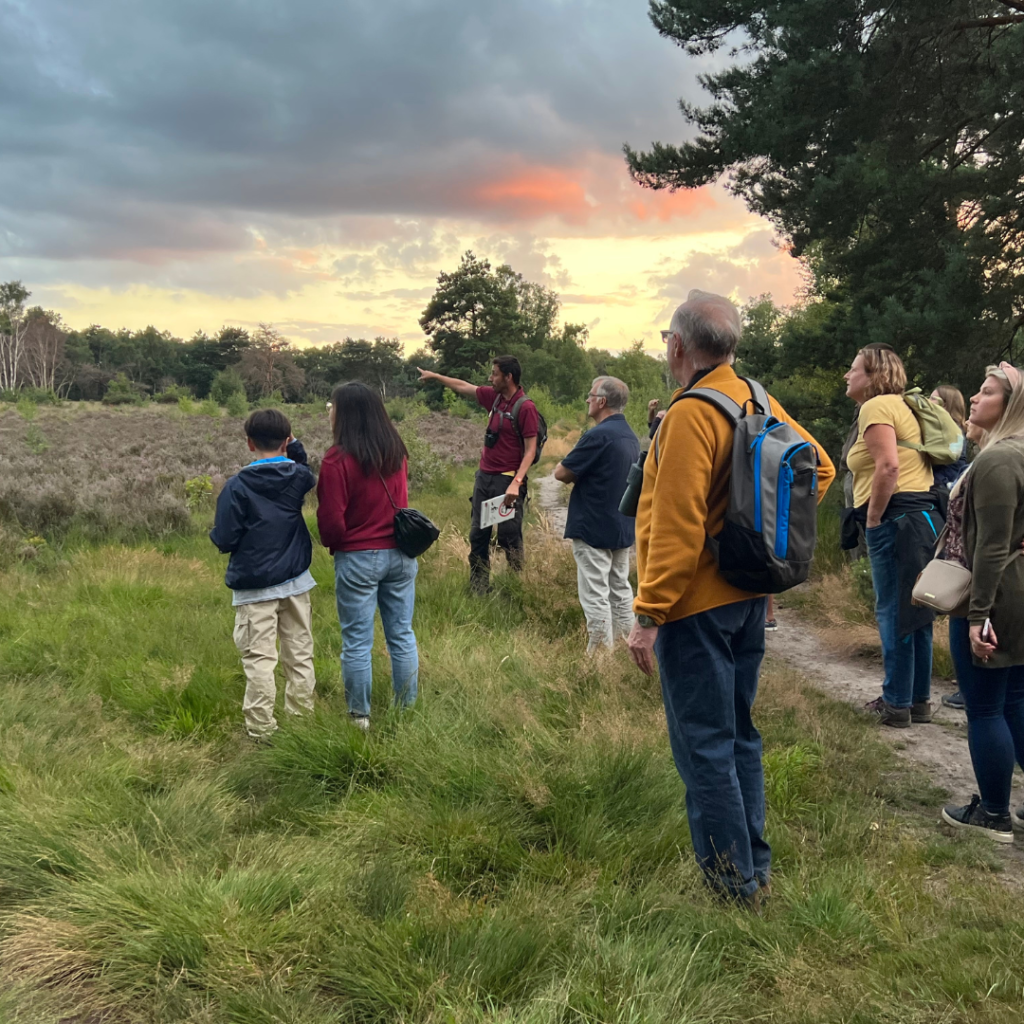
column 941, row 439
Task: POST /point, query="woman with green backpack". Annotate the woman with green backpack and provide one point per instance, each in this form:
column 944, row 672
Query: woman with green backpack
column 891, row 462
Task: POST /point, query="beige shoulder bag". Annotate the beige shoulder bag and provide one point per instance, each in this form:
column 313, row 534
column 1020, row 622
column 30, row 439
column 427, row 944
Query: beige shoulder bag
column 943, row 585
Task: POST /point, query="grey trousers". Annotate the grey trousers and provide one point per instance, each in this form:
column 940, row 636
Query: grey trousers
column 602, row 578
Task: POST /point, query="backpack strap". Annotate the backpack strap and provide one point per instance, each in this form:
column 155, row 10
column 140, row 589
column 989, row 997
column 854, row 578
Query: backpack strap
column 759, row 395
column 733, row 411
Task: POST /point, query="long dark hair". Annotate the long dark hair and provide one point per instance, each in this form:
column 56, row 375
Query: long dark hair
column 363, row 429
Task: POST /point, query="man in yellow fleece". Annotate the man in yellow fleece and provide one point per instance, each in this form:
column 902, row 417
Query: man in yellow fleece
column 708, row 635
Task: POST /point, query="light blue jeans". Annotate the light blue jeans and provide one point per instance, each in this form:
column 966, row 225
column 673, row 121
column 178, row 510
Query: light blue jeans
column 363, row 582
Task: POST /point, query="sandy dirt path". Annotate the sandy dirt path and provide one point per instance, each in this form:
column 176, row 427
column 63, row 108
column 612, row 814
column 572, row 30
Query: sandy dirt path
column 940, row 748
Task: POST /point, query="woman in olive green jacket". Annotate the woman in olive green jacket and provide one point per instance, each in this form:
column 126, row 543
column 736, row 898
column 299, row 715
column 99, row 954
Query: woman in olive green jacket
column 986, row 530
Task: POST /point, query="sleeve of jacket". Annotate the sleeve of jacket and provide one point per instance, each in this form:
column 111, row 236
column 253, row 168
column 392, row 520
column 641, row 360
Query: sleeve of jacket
column 229, row 521
column 308, row 479
column 826, row 470
column 333, row 497
column 296, row 451
column 672, row 536
column 994, row 496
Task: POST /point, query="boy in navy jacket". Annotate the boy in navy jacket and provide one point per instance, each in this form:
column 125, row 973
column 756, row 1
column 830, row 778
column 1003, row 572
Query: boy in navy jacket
column 259, row 523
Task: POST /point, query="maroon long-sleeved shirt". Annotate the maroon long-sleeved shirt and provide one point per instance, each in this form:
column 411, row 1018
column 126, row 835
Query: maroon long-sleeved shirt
column 354, row 512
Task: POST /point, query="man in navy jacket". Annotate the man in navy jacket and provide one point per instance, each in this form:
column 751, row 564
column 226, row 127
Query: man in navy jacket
column 259, row 523
column 601, row 534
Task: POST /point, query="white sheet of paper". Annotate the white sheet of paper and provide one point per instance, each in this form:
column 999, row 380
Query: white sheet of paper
column 491, row 512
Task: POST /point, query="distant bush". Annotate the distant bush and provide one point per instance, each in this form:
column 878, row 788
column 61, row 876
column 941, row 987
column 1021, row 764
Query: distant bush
column 237, row 405
column 186, row 405
column 208, row 407
column 226, row 384
column 121, row 391
column 172, row 395
column 426, row 468
column 198, row 491
column 400, row 409
column 274, row 401
column 36, row 396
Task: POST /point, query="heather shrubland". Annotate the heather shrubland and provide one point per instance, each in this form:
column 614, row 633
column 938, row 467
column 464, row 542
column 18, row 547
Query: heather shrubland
column 125, row 471
column 513, row 848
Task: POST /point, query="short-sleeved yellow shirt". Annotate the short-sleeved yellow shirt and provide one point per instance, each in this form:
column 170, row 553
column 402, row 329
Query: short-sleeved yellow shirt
column 915, row 468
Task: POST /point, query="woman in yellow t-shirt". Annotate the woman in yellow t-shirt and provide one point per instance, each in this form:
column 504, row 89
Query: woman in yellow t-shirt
column 891, row 495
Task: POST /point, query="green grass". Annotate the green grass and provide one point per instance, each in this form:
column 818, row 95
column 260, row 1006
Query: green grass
column 514, row 848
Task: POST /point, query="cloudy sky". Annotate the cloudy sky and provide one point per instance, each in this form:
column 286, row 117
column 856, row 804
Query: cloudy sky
column 316, row 163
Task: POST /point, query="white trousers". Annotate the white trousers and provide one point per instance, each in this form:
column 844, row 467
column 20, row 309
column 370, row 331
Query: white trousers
column 602, row 578
column 258, row 627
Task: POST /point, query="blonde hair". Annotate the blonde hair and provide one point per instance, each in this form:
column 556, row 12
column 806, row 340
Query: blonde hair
column 885, row 370
column 1011, row 423
column 953, row 402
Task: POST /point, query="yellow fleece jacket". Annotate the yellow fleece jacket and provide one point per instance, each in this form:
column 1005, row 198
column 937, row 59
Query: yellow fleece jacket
column 684, row 499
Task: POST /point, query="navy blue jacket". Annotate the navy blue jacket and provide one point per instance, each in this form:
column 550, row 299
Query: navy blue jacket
column 600, row 462
column 259, row 522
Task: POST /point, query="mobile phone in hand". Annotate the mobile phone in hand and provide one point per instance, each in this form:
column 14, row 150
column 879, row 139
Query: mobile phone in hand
column 986, row 631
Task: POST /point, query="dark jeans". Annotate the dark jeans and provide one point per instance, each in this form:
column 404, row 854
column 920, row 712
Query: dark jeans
column 994, row 699
column 907, row 659
column 709, row 665
column 510, row 532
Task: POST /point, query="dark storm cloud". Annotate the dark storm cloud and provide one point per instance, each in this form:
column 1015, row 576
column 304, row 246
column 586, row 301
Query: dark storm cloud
column 135, row 126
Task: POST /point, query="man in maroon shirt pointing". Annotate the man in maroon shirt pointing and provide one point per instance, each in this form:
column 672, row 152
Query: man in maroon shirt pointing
column 509, row 447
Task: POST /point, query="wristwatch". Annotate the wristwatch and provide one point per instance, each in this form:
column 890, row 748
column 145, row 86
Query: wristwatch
column 646, row 621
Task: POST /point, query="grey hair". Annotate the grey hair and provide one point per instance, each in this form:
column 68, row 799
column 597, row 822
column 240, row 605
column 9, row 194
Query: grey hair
column 615, row 392
column 709, row 326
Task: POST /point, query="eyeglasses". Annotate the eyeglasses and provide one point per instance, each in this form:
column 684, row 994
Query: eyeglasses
column 589, row 397
column 666, row 336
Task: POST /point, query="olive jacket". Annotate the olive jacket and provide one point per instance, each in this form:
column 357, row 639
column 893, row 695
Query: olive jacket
column 993, row 530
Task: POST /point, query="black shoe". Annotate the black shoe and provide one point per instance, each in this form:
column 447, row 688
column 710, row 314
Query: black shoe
column 974, row 817
column 886, row 714
column 954, row 700
column 771, row 626
column 921, row 712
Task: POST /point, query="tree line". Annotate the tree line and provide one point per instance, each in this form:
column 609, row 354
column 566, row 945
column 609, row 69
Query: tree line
column 477, row 312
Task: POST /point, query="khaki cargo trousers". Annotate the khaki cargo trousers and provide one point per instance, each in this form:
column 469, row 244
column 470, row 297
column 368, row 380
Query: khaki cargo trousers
column 258, row 627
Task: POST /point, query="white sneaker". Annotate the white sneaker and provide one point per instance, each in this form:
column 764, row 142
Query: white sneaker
column 361, row 722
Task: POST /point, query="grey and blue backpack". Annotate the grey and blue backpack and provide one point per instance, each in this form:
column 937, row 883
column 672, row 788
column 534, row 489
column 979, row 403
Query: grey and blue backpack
column 771, row 526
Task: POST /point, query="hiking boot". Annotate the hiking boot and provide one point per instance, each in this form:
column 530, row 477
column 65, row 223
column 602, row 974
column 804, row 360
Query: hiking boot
column 954, row 700
column 921, row 712
column 886, row 714
column 1017, row 818
column 974, row 817
column 771, row 626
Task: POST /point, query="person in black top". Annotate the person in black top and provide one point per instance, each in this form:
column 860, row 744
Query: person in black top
column 601, row 535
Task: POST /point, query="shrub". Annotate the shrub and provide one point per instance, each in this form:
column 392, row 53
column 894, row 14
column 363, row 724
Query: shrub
column 186, row 405
column 208, row 407
column 236, row 404
column 271, row 401
column 225, row 384
column 198, row 491
column 121, row 391
column 37, row 396
column 172, row 395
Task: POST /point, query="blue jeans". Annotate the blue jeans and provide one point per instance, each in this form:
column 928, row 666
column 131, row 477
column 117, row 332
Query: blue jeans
column 994, row 699
column 907, row 659
column 363, row 582
column 709, row 665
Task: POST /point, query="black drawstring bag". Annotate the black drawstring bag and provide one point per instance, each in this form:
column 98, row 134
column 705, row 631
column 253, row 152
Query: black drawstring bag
column 414, row 532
